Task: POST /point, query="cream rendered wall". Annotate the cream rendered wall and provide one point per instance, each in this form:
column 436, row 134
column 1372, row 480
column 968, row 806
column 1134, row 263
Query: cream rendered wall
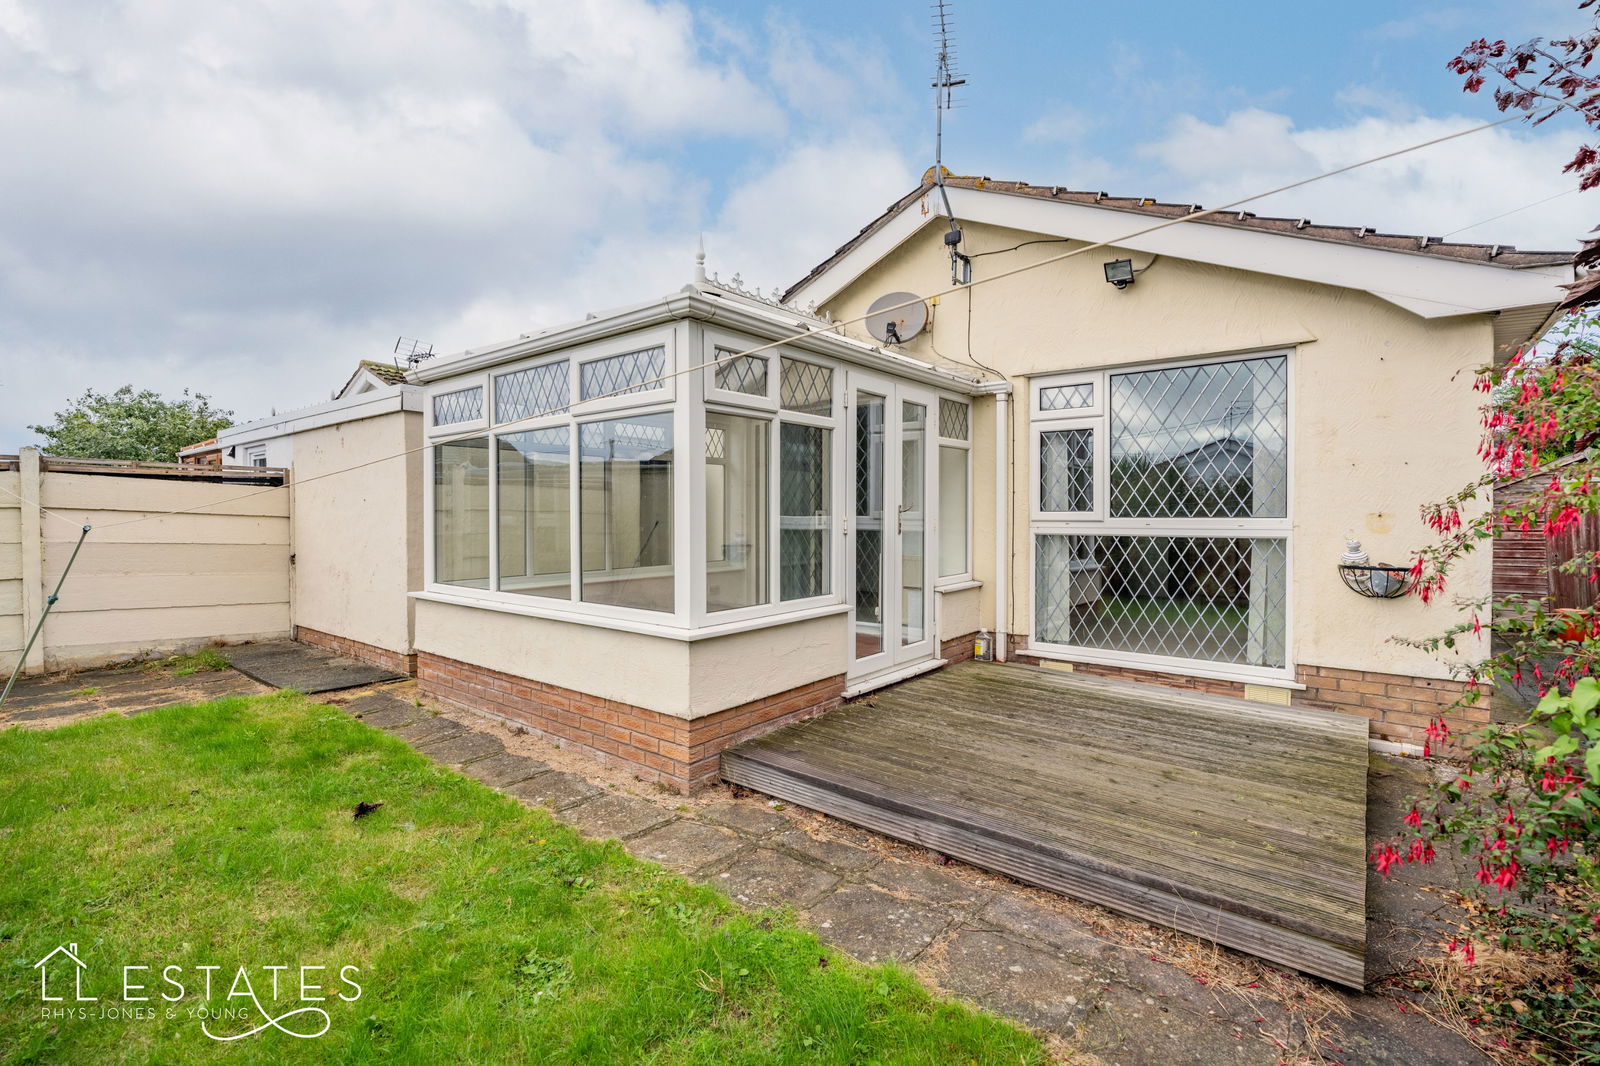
column 680, row 678
column 219, row 571
column 358, row 535
column 1383, row 418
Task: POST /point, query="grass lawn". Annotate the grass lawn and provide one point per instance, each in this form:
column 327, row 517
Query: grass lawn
column 482, row 932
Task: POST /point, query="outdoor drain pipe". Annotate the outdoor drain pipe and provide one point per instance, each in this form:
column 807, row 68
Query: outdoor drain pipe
column 48, row 603
column 1002, row 515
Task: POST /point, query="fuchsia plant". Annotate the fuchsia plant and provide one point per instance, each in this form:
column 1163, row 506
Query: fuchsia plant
column 1525, row 804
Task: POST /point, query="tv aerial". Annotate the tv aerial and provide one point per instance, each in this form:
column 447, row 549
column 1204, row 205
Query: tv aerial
column 896, row 317
column 945, row 78
column 412, row 352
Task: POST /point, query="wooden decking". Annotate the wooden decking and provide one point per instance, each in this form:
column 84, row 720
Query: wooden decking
column 1240, row 822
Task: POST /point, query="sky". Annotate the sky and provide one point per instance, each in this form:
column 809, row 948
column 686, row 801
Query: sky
column 245, row 198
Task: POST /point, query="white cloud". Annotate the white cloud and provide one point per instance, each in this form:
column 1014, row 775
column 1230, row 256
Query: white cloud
column 242, row 199
column 1437, row 190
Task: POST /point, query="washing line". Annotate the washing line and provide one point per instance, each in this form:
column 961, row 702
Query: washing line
column 832, row 327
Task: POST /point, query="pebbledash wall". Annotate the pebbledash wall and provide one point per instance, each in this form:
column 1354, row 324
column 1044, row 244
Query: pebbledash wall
column 661, row 706
column 1363, row 461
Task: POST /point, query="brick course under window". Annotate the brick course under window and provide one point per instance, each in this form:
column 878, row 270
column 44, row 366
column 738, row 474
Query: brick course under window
column 399, row 662
column 682, row 753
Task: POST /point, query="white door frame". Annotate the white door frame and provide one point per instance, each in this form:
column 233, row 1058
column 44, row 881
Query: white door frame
column 894, row 652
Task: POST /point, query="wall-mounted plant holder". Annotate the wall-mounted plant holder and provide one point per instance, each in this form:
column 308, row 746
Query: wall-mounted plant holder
column 1378, row 581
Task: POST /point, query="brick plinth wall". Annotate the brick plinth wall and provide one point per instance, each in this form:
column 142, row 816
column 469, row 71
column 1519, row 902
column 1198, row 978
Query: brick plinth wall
column 682, row 753
column 958, row 649
column 399, row 662
column 1398, row 706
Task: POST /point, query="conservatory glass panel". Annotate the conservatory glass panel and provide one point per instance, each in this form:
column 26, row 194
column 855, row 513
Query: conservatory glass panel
column 619, row 375
column 461, row 513
column 736, row 512
column 805, row 521
column 625, row 517
column 539, row 390
column 912, row 521
column 952, row 511
column 534, row 472
column 805, row 388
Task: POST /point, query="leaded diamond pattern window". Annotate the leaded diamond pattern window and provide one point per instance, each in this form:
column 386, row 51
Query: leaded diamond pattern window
column 1221, row 599
column 954, row 420
column 463, row 405
column 1066, row 470
column 746, row 374
column 805, row 387
column 619, row 375
column 1066, row 397
column 539, row 390
column 1207, row 441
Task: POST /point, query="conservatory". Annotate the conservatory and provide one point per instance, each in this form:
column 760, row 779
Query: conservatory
column 703, row 505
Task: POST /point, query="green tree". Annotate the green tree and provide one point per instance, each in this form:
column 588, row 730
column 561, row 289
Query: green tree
column 131, row 425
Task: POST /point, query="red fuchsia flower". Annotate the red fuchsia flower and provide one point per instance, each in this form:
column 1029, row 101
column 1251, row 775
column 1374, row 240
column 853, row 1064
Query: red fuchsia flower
column 1506, row 878
column 1385, row 857
column 1421, row 851
column 1477, row 627
column 1557, row 846
column 1414, row 819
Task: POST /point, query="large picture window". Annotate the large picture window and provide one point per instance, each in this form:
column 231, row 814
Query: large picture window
column 461, row 513
column 1170, row 539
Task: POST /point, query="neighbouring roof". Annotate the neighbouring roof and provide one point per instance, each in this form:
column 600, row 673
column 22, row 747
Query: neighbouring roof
column 387, row 373
column 202, row 445
column 1500, row 255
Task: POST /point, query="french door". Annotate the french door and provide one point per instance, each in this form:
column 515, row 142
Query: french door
column 891, row 538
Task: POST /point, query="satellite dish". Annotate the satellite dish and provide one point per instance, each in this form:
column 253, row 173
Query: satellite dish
column 901, row 324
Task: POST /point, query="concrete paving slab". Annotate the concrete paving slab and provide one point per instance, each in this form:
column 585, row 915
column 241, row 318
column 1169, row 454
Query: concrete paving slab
column 614, row 817
column 746, row 817
column 47, row 712
column 556, row 791
column 461, row 748
column 384, row 711
column 924, row 882
column 429, row 728
column 1052, row 991
column 835, row 854
column 764, row 878
column 1036, row 922
column 1129, row 1027
column 287, row 664
column 505, row 769
column 871, row 925
column 684, row 846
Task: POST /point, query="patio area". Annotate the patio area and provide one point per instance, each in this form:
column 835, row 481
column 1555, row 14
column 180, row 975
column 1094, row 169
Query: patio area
column 1240, row 822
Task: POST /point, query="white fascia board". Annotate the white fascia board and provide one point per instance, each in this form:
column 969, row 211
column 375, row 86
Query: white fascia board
column 899, row 229
column 1430, row 287
column 387, row 400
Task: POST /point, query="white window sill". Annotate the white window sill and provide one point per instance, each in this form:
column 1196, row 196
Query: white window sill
column 629, row 625
column 1216, row 671
column 957, row 584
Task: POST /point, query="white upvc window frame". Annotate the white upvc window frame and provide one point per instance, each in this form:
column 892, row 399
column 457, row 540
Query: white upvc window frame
column 1099, row 522
column 688, row 406
column 715, row 340
column 941, row 442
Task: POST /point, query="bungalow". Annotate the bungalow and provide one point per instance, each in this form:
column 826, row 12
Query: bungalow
column 675, row 525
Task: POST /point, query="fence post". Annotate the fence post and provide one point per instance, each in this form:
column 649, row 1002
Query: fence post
column 31, row 525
